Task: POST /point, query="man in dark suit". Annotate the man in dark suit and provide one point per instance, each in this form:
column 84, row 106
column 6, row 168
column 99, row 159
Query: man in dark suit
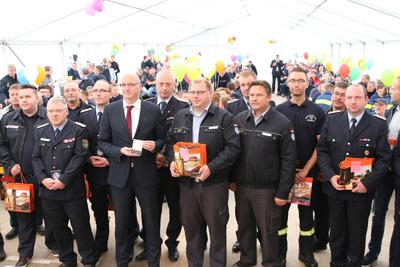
column 130, row 135
column 168, row 106
column 97, row 167
column 75, row 105
column 349, row 210
column 59, row 156
column 277, row 71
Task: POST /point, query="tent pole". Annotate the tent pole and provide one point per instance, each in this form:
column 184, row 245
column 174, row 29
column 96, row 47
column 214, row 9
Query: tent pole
column 15, row 54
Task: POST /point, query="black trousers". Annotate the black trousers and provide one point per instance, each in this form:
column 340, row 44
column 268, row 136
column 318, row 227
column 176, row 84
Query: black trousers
column 256, row 208
column 321, row 210
column 99, row 200
column 124, row 209
column 202, row 207
column 170, row 189
column 306, row 236
column 349, row 223
column 58, row 213
column 276, row 81
column 394, row 259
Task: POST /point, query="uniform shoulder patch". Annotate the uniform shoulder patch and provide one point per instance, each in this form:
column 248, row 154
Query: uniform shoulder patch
column 335, row 111
column 233, row 100
column 85, row 110
column 80, row 124
column 379, row 117
column 42, row 125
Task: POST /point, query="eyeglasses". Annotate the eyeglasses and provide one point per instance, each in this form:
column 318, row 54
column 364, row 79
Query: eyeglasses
column 197, row 92
column 103, row 91
column 301, row 81
column 128, row 84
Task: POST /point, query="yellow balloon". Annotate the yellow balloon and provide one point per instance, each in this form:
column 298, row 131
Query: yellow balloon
column 220, row 66
column 211, row 73
column 178, row 69
column 329, row 66
column 193, row 70
column 41, row 75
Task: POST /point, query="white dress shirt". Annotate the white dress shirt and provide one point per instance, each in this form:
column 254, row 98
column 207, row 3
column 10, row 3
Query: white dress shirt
column 135, row 114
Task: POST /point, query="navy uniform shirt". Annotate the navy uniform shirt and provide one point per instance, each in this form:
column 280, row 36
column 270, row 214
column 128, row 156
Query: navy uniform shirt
column 308, row 120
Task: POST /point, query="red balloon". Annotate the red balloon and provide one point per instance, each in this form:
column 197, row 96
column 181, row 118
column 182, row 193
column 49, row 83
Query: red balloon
column 305, row 55
column 344, row 71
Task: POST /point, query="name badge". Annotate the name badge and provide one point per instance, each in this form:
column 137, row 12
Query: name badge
column 70, row 140
column 45, row 139
column 266, row 134
column 9, row 126
column 213, row 127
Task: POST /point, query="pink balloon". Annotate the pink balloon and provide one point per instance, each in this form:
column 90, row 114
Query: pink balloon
column 98, row 5
column 233, row 58
column 90, row 10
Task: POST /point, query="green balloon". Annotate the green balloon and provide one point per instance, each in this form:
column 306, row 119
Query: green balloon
column 354, row 73
column 387, row 77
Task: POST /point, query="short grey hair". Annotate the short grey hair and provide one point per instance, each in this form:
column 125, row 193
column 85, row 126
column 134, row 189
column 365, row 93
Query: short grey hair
column 57, row 100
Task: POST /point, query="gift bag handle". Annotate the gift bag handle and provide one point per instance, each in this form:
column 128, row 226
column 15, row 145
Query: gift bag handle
column 22, row 176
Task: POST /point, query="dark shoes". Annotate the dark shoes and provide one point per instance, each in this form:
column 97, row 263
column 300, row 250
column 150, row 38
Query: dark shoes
column 12, row 234
column 67, row 265
column 240, row 264
column 318, row 246
column 173, row 254
column 3, row 255
column 141, row 256
column 236, row 247
column 40, row 230
column 23, row 261
column 369, row 258
column 308, row 260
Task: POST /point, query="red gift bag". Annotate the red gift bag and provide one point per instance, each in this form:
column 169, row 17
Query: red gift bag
column 20, row 197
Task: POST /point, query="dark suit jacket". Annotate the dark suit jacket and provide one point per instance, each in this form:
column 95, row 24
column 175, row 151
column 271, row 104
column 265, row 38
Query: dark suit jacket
column 66, row 153
column 167, row 116
column 369, row 140
column 280, row 67
column 93, row 174
column 395, row 164
column 114, row 135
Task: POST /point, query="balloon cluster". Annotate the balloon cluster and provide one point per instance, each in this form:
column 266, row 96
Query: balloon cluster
column 32, row 75
column 95, row 6
column 231, row 39
column 114, row 50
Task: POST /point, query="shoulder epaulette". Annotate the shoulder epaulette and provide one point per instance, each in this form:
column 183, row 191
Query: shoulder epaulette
column 42, row 125
column 233, row 100
column 334, row 111
column 80, row 124
column 379, row 117
column 85, row 110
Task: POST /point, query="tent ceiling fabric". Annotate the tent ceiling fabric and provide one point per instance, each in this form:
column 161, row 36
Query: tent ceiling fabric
column 158, row 22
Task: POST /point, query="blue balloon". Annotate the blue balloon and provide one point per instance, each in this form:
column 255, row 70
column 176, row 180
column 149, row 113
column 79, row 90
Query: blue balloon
column 21, row 77
column 369, row 63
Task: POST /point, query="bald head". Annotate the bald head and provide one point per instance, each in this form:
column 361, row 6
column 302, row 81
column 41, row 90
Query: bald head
column 165, row 84
column 130, row 86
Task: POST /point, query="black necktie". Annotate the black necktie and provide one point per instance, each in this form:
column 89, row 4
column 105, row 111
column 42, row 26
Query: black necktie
column 99, row 115
column 353, row 126
column 162, row 105
column 57, row 132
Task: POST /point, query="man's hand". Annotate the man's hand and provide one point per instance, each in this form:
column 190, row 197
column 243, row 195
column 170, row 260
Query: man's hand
column 58, row 185
column 127, row 151
column 15, row 170
column 173, row 170
column 335, row 183
column 233, row 187
column 280, row 202
column 358, row 186
column 204, row 173
column 149, row 145
column 300, row 175
column 48, row 183
column 160, row 160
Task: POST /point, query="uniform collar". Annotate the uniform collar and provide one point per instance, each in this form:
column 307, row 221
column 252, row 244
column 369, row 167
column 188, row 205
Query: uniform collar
column 159, row 100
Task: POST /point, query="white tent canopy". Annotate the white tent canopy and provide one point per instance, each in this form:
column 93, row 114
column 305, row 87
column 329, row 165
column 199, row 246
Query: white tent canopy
column 48, row 32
